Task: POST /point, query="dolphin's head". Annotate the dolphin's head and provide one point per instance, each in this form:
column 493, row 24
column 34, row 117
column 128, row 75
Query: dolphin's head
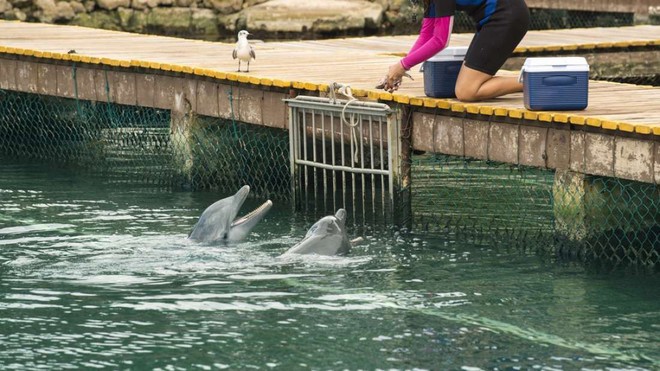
column 218, row 222
column 326, row 237
column 329, row 225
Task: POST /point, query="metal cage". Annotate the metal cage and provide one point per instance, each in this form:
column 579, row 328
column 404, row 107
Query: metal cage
column 344, row 154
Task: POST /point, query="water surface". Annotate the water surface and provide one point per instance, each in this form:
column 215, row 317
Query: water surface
column 95, row 274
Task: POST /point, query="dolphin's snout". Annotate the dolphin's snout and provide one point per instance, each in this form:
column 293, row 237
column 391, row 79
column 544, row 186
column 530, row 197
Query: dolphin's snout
column 218, row 222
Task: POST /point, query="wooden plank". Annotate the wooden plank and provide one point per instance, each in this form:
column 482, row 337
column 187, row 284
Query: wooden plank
column 360, row 62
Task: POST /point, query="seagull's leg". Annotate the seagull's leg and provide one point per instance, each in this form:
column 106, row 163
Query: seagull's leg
column 239, row 66
column 248, row 69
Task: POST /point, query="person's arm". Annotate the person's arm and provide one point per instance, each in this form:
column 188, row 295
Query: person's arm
column 425, row 34
column 433, row 37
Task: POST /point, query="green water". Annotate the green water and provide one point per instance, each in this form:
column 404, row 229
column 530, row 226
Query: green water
column 97, row 275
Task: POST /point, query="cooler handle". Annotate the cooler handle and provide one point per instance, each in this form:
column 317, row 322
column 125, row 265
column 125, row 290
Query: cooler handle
column 561, row 80
column 448, row 69
column 520, row 77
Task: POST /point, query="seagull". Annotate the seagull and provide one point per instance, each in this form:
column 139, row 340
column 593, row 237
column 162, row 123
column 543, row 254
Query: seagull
column 243, row 51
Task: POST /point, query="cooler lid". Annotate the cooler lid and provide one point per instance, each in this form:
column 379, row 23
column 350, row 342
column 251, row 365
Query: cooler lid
column 551, row 64
column 455, row 53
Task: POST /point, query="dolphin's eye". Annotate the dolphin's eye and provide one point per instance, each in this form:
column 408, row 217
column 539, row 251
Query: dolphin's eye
column 225, row 236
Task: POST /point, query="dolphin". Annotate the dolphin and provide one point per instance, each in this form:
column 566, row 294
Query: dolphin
column 326, row 237
column 218, row 222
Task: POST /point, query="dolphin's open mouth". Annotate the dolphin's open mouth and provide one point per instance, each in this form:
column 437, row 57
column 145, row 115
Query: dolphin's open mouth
column 219, row 221
column 257, row 213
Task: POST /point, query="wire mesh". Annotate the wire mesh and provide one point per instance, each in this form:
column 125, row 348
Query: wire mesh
column 137, row 144
column 595, row 219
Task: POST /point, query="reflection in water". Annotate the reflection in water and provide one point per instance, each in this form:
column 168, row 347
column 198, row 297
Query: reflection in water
column 95, row 275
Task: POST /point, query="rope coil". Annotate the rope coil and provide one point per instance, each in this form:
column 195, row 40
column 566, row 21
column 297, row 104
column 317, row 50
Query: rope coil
column 345, row 90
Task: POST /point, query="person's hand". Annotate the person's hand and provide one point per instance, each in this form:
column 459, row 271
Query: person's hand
column 392, row 80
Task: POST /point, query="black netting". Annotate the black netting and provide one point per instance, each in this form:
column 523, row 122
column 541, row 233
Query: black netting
column 135, row 144
column 593, row 218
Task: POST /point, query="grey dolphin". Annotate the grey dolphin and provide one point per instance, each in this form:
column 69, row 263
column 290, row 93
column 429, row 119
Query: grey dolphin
column 326, row 237
column 218, row 222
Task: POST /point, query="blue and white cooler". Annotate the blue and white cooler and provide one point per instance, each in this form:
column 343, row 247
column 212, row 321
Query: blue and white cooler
column 555, row 83
column 441, row 72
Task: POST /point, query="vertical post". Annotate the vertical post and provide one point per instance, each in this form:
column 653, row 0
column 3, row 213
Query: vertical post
column 400, row 148
column 568, row 192
column 586, row 206
column 292, row 152
column 181, row 122
column 406, row 120
column 607, row 217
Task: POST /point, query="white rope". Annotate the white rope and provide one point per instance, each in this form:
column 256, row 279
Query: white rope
column 346, row 91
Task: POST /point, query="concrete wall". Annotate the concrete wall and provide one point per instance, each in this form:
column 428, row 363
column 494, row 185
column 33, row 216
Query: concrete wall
column 539, row 144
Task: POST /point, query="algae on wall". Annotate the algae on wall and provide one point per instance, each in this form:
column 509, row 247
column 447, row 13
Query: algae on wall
column 219, row 20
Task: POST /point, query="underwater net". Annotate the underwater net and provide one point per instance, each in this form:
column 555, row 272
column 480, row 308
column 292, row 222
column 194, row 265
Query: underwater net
column 148, row 145
column 591, row 218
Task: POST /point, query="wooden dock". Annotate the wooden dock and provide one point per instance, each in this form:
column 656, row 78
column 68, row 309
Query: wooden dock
column 307, row 67
column 360, row 62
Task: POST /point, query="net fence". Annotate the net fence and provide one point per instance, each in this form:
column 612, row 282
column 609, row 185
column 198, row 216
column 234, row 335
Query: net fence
column 145, row 145
column 593, row 219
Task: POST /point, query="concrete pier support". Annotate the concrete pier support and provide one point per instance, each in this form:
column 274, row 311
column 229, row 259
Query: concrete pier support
column 572, row 194
column 181, row 122
column 587, row 207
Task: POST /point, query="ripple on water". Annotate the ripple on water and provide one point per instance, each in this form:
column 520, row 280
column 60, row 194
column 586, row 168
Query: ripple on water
column 104, row 277
column 32, row 228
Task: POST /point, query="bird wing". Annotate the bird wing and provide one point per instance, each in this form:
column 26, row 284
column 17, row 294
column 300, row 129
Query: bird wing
column 233, row 54
column 252, row 54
